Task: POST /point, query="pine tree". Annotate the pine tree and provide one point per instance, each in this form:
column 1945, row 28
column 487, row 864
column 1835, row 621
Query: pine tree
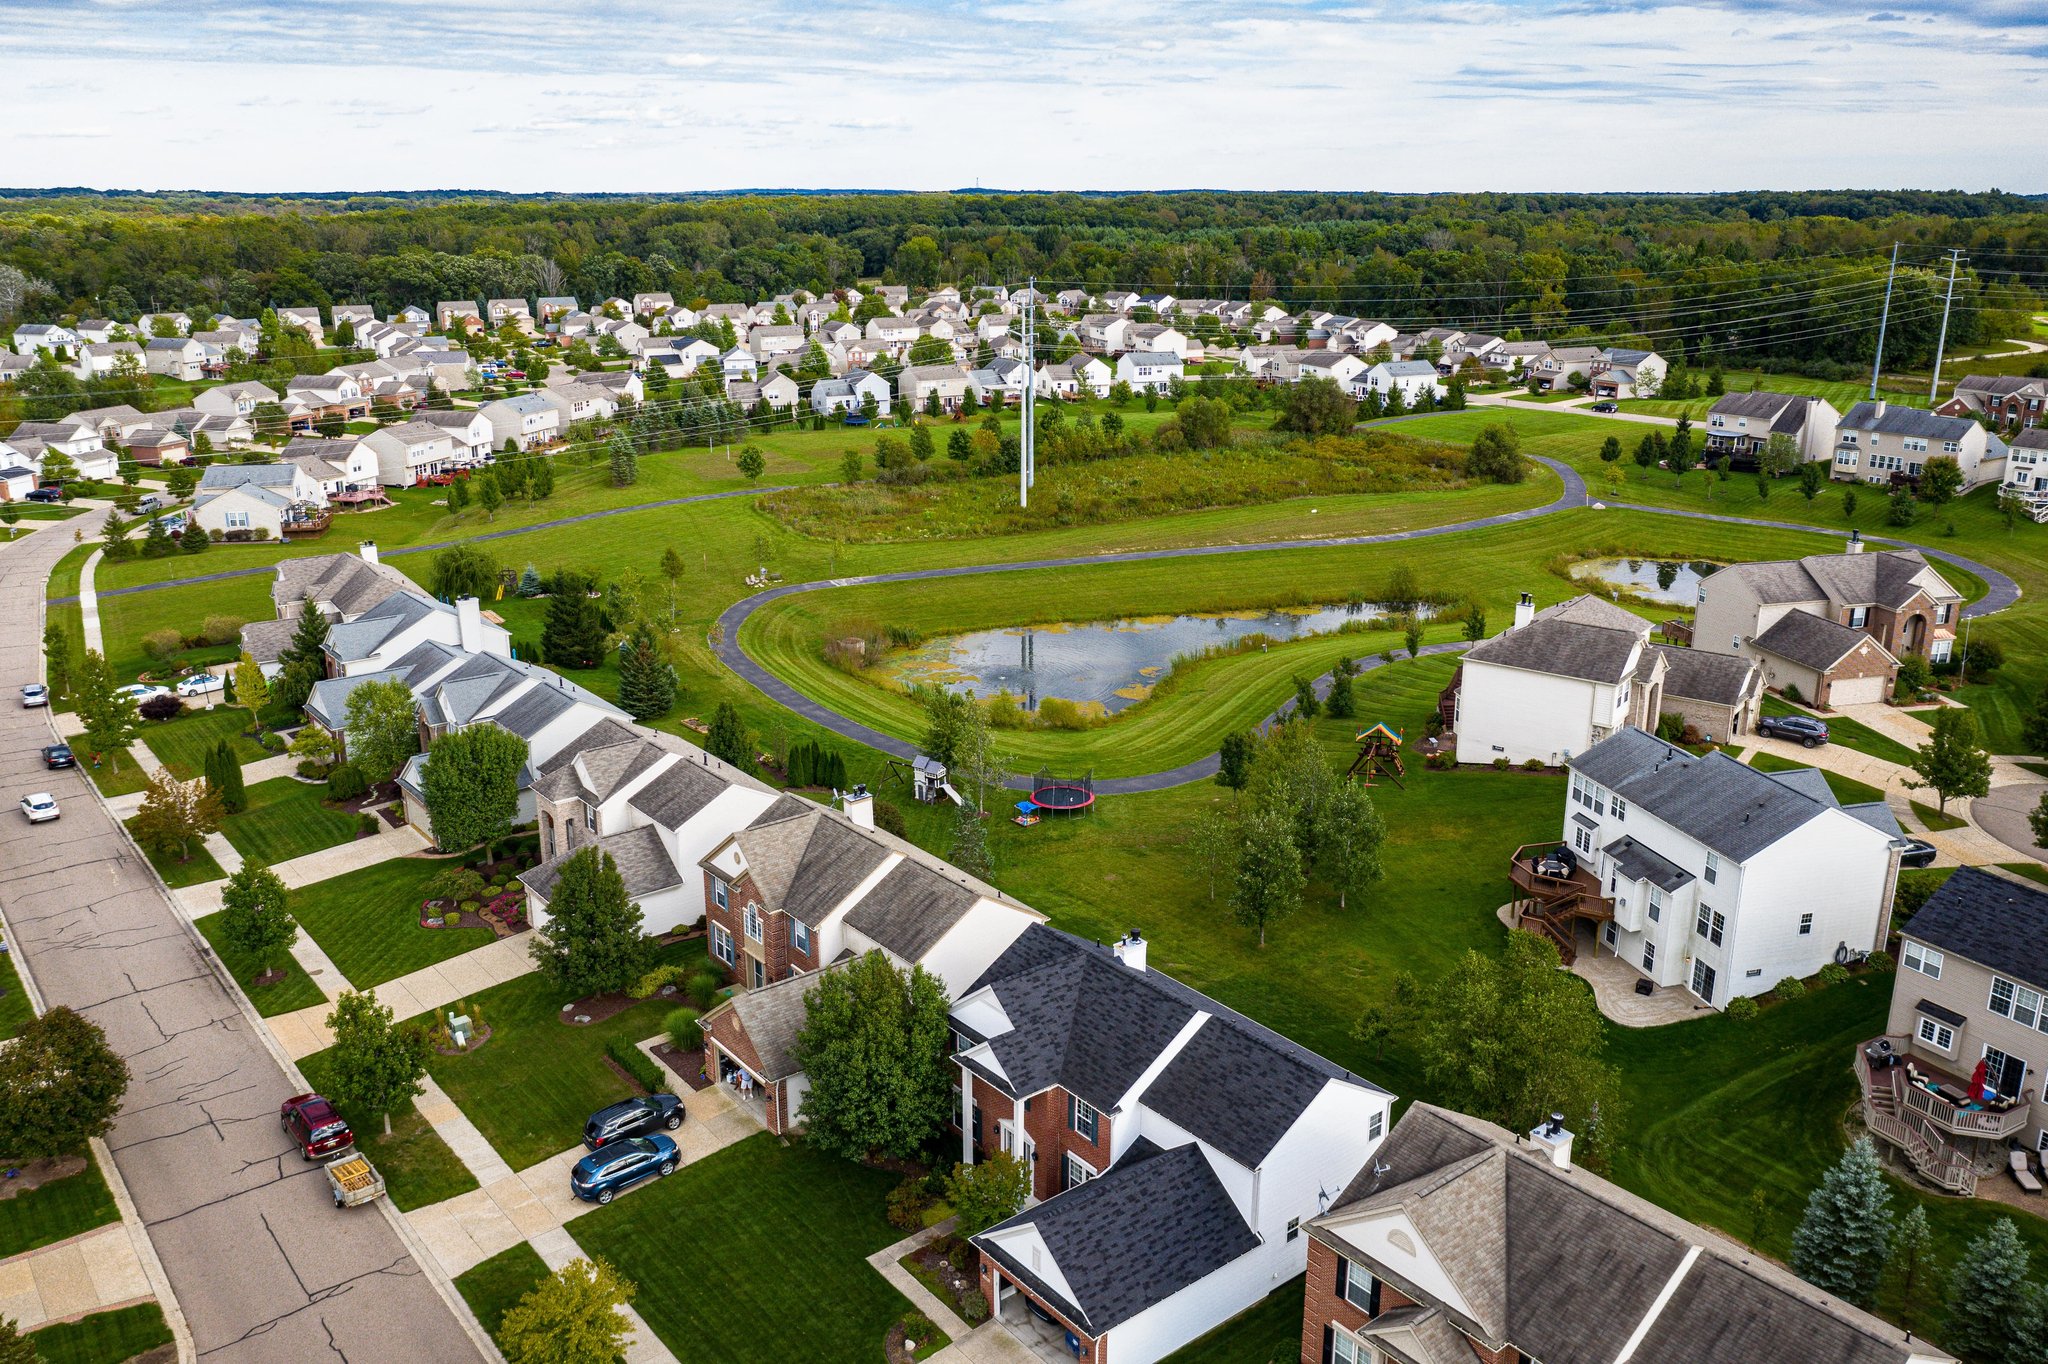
column 728, row 738
column 223, row 773
column 625, row 464
column 529, row 581
column 458, row 495
column 1911, row 1275
column 1845, row 1236
column 1992, row 1311
column 573, row 636
column 647, row 681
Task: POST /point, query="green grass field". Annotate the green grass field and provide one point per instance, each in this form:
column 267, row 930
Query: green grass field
column 196, row 869
column 15, row 1010
column 495, row 1286
column 368, row 921
column 286, row 818
column 418, row 1167
column 104, row 1337
column 1844, row 732
column 295, row 991
column 1935, row 819
column 1268, row 1332
column 1842, row 394
column 183, row 743
column 56, row 1211
column 734, row 1253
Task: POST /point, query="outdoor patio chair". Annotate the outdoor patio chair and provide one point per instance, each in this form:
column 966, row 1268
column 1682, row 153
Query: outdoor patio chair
column 2022, row 1175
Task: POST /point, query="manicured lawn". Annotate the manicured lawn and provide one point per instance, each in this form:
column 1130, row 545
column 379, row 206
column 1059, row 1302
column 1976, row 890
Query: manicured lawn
column 1847, row 790
column 125, row 779
column 195, row 870
column 530, row 1087
column 496, row 1285
column 15, row 1010
column 1936, row 820
column 104, row 1337
column 286, row 818
column 735, row 1255
column 2033, row 871
column 1268, row 1332
column 418, row 1167
column 1848, row 733
column 183, row 743
column 295, row 991
column 55, row 1211
column 368, row 921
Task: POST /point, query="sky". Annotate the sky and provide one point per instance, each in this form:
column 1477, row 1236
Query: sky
column 671, row 95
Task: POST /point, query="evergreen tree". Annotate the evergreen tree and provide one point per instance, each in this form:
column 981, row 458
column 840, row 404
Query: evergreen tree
column 1912, row 1278
column 573, row 635
column 1341, row 703
column 16, row 1348
column 1845, row 1236
column 458, row 495
column 728, row 738
column 529, row 582
column 1993, row 1313
column 647, row 681
column 224, row 774
column 1234, row 760
column 592, row 941
column 625, row 465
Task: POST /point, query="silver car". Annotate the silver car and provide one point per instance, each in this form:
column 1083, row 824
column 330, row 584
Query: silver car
column 35, row 694
column 40, row 808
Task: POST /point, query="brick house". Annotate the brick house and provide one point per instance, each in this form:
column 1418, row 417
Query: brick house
column 1176, row 1148
column 2005, row 400
column 1464, row 1244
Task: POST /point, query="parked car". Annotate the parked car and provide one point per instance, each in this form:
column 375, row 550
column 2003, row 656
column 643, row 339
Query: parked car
column 1801, row 729
column 199, row 684
column 147, row 503
column 312, row 1122
column 1605, row 406
column 1915, row 852
column 53, row 493
column 35, row 694
column 40, row 808
column 138, row 692
column 632, row 1118
column 603, row 1175
column 59, row 755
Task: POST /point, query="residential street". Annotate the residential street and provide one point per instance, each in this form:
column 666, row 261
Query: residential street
column 262, row 1264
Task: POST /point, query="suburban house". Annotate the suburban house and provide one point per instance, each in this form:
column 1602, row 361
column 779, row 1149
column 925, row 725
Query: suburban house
column 2026, row 472
column 1876, row 441
column 1619, row 373
column 1562, row 679
column 2006, row 400
column 525, row 419
column 408, row 453
column 469, row 431
column 357, row 315
column 108, row 357
column 503, row 310
column 844, row 394
column 155, row 446
column 326, row 395
column 16, row 481
column 31, row 337
column 349, row 587
column 553, row 306
column 1410, row 378
column 346, row 470
column 1972, row 989
column 179, row 357
column 1513, row 356
column 1149, row 371
column 1464, row 1243
column 259, row 501
column 1102, row 333
column 1707, row 874
column 1830, row 625
column 306, row 320
column 446, row 314
column 239, row 399
column 1157, row 338
column 1002, row 381
column 650, row 303
column 1072, row 378
column 1739, row 425
column 1176, row 1148
column 678, row 356
column 1339, row 367
column 918, row 384
column 1556, row 366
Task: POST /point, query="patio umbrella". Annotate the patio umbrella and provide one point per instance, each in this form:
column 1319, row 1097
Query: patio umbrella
column 1977, row 1086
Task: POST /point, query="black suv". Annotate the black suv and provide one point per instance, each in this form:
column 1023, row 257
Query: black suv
column 1801, row 729
column 632, row 1118
column 59, row 755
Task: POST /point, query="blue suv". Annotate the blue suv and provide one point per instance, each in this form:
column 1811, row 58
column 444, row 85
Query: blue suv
column 602, row 1175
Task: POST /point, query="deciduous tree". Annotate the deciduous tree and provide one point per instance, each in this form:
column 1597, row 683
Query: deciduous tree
column 874, row 1044
column 991, row 1190
column 1950, row 762
column 60, row 1086
column 251, row 688
column 377, row 1064
column 1496, row 456
column 176, row 814
column 108, row 716
column 464, row 571
column 471, row 786
column 1351, row 837
column 382, row 727
column 570, row 1317
column 255, row 917
column 1269, row 877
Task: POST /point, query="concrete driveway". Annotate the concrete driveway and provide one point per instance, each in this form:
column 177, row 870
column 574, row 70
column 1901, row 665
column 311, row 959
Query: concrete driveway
column 262, row 1264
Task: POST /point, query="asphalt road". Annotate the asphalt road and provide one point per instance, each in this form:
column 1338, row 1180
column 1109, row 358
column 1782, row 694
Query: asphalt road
column 263, row 1265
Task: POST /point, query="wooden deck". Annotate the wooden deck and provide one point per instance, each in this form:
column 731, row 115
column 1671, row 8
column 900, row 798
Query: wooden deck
column 1948, row 1144
column 1552, row 906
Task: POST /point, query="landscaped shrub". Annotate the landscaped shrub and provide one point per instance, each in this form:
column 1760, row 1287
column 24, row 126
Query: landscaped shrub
column 1880, row 961
column 1791, row 987
column 1742, row 1008
column 311, row 770
column 889, row 819
column 704, row 987
column 1791, row 693
column 973, row 1308
column 366, row 824
column 1670, row 727
column 636, row 1063
column 456, row 884
column 220, row 629
column 649, row 985
column 683, row 1030
column 270, row 743
column 1533, row 765
column 1834, row 973
column 907, row 1202
column 347, row 782
column 1500, row 764
column 472, row 906
column 162, row 644
column 917, row 1328
column 164, row 707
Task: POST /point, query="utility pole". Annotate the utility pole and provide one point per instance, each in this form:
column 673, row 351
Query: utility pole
column 1884, row 319
column 1934, row 384
column 1026, row 475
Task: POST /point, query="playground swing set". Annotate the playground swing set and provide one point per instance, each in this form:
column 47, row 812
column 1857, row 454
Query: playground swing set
column 1379, row 757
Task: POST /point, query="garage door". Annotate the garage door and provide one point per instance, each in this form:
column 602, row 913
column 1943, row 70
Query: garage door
column 1856, row 691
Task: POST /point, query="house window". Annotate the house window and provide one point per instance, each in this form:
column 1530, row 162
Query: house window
column 1857, row 616
column 1374, row 1125
column 1294, row 1228
column 1937, row 1035
column 760, row 972
column 718, row 893
column 590, row 818
column 1612, row 934
column 1656, row 905
column 721, row 944
column 1925, row 960
column 1649, row 956
column 800, row 936
column 1941, row 613
column 1806, row 925
column 1358, row 1289
column 1077, row 1172
column 753, row 921
column 1081, row 1117
column 1346, row 1350
column 1620, row 808
column 237, row 520
column 1713, row 868
column 1582, row 839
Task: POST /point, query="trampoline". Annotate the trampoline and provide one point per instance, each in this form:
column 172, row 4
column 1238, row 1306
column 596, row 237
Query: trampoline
column 1062, row 795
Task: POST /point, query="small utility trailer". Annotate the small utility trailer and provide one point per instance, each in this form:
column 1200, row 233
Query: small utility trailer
column 353, row 1180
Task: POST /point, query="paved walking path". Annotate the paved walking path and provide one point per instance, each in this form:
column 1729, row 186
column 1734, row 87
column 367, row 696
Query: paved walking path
column 89, row 603
column 431, row 987
column 557, row 1248
column 90, row 1272
column 389, row 844
column 883, row 1262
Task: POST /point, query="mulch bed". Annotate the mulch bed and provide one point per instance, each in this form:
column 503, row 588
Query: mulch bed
column 37, row 1173
column 268, row 978
column 686, row 1066
column 476, row 1039
column 392, row 815
column 932, row 1259
column 460, row 918
column 590, row 1009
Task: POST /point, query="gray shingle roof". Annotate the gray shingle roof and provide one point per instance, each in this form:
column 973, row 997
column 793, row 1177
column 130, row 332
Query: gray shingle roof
column 1812, row 641
column 352, row 584
column 1994, row 922
column 1696, row 675
column 1157, row 1222
column 1584, row 637
column 805, row 866
column 772, row 1016
column 222, row 476
column 910, row 909
column 1222, row 1060
column 1735, row 810
column 1895, row 420
column 1638, row 863
column 640, row 855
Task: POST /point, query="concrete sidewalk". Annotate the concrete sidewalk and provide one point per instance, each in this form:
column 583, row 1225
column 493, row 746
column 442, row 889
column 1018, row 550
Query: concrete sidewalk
column 89, row 603
column 883, row 1262
column 91, row 1272
column 403, row 841
column 431, row 987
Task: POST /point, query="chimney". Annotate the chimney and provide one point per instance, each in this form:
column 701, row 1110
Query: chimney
column 1855, row 542
column 1525, row 610
column 1880, row 407
column 858, row 804
column 1554, row 1139
column 469, row 624
column 368, row 549
column 1130, row 950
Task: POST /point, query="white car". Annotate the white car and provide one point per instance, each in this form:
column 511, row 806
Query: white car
column 40, row 808
column 139, row 692
column 35, row 694
column 199, row 684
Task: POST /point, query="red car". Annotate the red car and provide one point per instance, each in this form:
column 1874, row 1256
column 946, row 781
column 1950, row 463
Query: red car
column 314, row 1124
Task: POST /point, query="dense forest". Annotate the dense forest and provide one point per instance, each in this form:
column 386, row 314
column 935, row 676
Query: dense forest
column 1793, row 275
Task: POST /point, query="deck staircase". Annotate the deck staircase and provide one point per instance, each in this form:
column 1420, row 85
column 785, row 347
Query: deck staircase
column 1551, row 907
column 1927, row 1149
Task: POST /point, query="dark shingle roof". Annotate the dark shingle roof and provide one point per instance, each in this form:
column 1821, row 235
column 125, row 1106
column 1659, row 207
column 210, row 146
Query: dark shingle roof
column 1154, row 1224
column 1583, row 637
column 1696, row 675
column 1638, row 863
column 1905, row 421
column 1994, row 922
column 642, row 859
column 682, row 789
column 1813, row 641
column 1735, row 810
column 1220, row 1061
